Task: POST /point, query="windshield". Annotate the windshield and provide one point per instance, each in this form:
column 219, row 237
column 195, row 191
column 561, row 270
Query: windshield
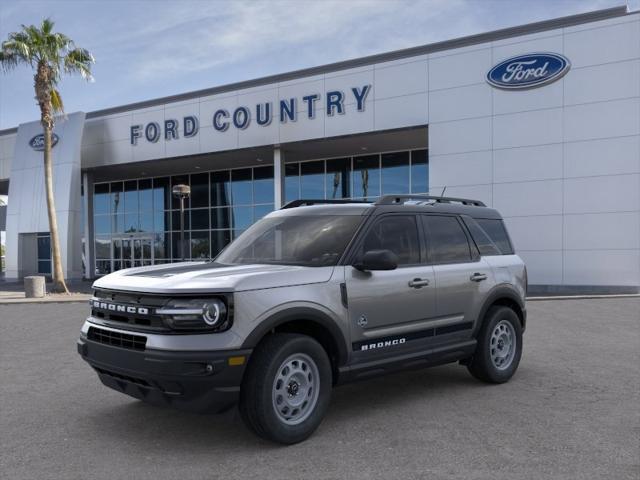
column 313, row 241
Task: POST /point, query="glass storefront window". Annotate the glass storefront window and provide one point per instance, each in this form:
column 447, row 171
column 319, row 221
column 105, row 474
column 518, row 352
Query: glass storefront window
column 219, row 240
column 395, row 172
column 338, row 178
column 223, row 204
column 292, row 181
column 175, row 220
column 220, row 189
column 419, row 171
column 242, row 217
column 200, row 190
column 220, row 218
column 200, row 219
column 263, row 185
column 366, row 177
column 101, row 199
column 200, row 245
column 312, row 179
column 241, row 190
column 161, row 194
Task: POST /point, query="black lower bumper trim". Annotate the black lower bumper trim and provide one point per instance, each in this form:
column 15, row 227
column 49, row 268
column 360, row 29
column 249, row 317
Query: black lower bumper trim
column 191, row 381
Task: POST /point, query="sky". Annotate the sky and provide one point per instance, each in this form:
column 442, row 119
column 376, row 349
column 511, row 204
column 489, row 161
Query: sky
column 147, row 49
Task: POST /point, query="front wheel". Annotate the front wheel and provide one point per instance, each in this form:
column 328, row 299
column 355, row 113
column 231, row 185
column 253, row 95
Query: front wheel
column 499, row 346
column 287, row 388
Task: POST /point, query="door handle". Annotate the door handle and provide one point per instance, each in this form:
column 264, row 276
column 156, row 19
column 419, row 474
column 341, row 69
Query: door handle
column 418, row 283
column 478, row 277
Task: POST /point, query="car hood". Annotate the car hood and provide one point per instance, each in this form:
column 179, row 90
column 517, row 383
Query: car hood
column 196, row 277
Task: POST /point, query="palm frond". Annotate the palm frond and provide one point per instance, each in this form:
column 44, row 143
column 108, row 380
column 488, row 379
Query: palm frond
column 56, row 101
column 79, row 60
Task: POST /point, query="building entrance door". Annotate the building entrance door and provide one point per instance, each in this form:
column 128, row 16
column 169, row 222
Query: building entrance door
column 132, row 252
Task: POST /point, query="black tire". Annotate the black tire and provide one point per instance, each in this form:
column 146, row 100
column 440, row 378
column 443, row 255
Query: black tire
column 256, row 395
column 481, row 365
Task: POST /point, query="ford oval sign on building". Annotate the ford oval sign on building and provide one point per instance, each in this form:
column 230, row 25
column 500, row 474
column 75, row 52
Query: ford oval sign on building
column 37, row 142
column 528, row 71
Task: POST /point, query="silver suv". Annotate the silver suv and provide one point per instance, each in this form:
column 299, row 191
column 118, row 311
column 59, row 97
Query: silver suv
column 316, row 294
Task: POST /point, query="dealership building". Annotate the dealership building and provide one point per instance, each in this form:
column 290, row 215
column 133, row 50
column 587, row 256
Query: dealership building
column 541, row 121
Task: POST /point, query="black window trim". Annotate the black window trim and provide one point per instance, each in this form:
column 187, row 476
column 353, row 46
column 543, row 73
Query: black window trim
column 473, row 248
column 360, row 235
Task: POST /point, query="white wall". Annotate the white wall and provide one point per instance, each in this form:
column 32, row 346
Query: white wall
column 561, row 162
column 397, row 99
column 7, row 145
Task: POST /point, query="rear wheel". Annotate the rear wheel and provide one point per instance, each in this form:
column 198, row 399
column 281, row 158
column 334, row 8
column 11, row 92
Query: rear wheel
column 499, row 346
column 287, row 388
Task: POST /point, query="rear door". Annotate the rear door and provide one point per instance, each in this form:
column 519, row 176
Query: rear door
column 462, row 277
column 388, row 308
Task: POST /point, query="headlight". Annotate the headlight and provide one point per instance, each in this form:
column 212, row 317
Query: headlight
column 196, row 314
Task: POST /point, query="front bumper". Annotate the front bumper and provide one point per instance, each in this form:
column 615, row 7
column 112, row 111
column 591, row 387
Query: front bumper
column 191, row 381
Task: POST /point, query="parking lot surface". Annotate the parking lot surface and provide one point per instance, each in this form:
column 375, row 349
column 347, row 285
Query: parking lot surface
column 571, row 411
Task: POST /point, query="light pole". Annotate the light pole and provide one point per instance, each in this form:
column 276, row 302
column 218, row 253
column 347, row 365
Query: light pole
column 182, row 192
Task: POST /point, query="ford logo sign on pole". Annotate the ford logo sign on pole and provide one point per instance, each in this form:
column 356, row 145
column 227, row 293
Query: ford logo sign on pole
column 528, row 71
column 37, row 142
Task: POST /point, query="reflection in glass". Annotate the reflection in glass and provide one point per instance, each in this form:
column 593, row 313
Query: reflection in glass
column 338, row 178
column 101, row 198
column 220, row 189
column 145, row 195
column 395, row 172
column 312, row 180
column 161, row 242
column 146, row 221
column 200, row 219
column 241, row 193
column 103, row 245
column 161, row 194
column 220, row 218
column 199, row 245
column 160, row 221
column 263, row 185
column 366, row 176
column 131, row 222
column 260, row 211
column 419, row 171
column 292, row 181
column 200, row 190
column 116, row 199
column 242, row 217
column 102, row 224
column 175, row 220
column 131, row 203
column 219, row 240
column 175, row 246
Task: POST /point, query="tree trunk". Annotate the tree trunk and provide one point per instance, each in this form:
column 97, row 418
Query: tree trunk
column 59, row 284
column 43, row 95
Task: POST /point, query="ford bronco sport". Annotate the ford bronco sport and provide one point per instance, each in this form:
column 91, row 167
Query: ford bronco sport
column 315, row 294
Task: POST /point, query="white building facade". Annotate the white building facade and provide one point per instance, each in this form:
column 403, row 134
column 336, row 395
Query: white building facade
column 540, row 121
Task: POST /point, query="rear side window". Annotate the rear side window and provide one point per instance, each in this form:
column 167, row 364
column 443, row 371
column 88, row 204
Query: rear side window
column 447, row 241
column 480, row 237
column 497, row 233
column 397, row 233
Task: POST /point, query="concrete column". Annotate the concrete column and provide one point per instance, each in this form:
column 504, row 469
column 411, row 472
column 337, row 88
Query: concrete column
column 87, row 204
column 278, row 177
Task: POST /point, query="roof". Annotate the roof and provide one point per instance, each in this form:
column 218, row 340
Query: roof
column 519, row 30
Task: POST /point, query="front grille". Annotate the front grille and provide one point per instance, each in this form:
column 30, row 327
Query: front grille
column 121, row 319
column 117, row 339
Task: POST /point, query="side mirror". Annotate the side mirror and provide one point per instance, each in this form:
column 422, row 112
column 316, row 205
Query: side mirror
column 377, row 260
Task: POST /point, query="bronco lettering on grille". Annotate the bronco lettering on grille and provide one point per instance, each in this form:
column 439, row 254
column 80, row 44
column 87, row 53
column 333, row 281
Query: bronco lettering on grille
column 113, row 307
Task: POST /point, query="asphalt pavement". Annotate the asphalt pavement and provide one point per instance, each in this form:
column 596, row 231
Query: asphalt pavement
column 572, row 411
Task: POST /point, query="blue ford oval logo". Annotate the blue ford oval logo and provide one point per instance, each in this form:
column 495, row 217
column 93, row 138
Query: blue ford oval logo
column 528, row 71
column 37, row 142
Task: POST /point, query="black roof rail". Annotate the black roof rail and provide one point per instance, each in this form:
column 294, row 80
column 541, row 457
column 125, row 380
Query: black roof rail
column 396, row 199
column 306, row 202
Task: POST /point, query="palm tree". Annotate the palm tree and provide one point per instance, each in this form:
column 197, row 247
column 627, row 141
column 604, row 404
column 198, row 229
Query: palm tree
column 50, row 55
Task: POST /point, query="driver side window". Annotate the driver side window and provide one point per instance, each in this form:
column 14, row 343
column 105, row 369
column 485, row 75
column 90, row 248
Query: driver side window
column 397, row 233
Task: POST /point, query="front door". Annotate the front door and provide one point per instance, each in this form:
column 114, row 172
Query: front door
column 388, row 308
column 132, row 252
